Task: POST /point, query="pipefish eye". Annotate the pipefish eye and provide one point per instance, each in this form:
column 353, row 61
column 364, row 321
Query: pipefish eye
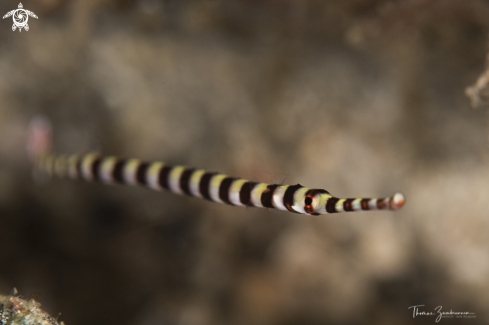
column 308, row 201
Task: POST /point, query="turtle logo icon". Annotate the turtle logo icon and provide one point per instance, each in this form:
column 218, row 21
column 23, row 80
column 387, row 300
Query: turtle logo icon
column 20, row 17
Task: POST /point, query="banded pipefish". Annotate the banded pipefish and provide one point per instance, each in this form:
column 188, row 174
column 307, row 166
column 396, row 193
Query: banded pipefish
column 198, row 183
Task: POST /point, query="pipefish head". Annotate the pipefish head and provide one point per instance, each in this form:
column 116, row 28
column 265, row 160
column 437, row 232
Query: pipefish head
column 318, row 201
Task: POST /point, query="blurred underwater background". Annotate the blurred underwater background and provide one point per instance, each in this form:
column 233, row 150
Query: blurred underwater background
column 361, row 98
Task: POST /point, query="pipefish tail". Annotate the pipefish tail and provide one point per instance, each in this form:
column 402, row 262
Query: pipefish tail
column 194, row 182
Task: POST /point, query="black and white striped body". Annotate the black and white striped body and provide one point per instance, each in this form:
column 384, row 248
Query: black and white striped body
column 214, row 187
